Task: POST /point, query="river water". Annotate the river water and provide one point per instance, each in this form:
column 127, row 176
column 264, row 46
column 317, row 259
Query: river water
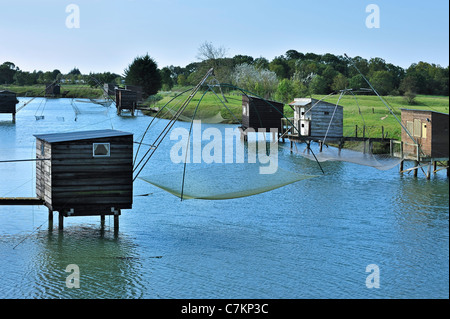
column 310, row 239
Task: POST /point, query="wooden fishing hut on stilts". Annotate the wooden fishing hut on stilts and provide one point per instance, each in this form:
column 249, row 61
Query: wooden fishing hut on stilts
column 428, row 144
column 85, row 173
column 261, row 115
column 8, row 102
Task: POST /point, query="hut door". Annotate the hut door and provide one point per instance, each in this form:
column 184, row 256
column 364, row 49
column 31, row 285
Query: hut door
column 424, row 130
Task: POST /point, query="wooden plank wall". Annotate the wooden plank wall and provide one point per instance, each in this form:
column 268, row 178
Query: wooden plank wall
column 439, row 135
column 89, row 185
column 126, row 99
column 8, row 102
column 321, row 116
column 261, row 114
column 43, row 172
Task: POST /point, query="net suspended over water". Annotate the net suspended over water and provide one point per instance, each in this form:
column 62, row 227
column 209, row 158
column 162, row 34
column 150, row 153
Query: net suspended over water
column 360, row 151
column 357, row 154
column 218, row 182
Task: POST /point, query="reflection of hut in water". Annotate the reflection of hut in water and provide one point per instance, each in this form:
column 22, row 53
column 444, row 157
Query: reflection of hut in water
column 260, row 114
column 85, row 173
column 8, row 101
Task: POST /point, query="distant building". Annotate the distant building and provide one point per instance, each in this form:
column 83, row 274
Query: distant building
column 8, row 101
column 317, row 119
column 261, row 114
column 430, row 131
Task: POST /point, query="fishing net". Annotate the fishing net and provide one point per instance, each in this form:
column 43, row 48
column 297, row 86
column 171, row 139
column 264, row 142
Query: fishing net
column 205, row 118
column 225, row 181
column 357, row 153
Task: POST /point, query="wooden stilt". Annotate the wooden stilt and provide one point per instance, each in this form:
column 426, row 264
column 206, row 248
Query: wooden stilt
column 116, row 222
column 434, row 166
column 429, row 171
column 401, row 167
column 416, row 163
column 60, row 221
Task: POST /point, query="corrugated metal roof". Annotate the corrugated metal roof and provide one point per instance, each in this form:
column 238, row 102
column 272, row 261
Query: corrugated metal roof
column 83, row 135
column 301, row 102
column 306, row 101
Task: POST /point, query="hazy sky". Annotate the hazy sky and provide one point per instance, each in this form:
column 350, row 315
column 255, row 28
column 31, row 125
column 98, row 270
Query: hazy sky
column 111, row 33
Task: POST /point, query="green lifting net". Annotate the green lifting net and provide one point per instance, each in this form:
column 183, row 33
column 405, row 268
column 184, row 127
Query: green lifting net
column 223, row 181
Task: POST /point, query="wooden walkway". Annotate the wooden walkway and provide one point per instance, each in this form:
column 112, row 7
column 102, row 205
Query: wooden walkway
column 21, row 201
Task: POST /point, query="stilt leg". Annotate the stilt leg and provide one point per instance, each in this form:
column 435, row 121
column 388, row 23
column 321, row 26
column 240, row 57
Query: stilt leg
column 416, row 163
column 60, row 221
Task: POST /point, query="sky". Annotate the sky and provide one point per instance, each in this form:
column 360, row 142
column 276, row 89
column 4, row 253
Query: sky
column 106, row 35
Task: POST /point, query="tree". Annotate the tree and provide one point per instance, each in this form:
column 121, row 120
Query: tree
column 319, row 85
column 382, row 81
column 340, row 82
column 259, row 81
column 74, row 71
column 166, row 78
column 207, row 51
column 143, row 71
column 7, row 72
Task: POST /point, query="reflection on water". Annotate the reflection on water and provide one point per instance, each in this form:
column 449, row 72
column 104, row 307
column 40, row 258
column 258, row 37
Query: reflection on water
column 310, row 239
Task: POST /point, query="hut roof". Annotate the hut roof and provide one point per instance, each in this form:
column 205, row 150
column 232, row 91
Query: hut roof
column 83, row 135
column 428, row 111
column 308, row 101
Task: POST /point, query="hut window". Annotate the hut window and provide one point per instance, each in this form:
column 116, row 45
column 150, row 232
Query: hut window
column 101, row 149
column 326, row 113
column 42, row 149
column 417, row 128
column 409, row 126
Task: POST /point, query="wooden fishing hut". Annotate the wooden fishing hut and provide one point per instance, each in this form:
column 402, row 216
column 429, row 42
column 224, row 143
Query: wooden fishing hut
column 260, row 115
column 137, row 89
column 316, row 119
column 430, row 139
column 85, row 173
column 126, row 100
column 109, row 90
column 8, row 101
column 52, row 89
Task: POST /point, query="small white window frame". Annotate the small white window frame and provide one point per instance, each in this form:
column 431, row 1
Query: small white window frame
column 94, row 146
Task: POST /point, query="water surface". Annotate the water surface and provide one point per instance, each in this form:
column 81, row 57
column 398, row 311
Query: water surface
column 309, row 239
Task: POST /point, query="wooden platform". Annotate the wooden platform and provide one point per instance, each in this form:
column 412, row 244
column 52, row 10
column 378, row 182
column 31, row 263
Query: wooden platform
column 21, row 201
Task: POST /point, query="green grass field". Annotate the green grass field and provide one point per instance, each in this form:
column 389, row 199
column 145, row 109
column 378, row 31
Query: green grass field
column 361, row 110
column 75, row 90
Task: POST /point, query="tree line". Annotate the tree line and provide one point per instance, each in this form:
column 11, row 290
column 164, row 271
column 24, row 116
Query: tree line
column 293, row 74
column 297, row 74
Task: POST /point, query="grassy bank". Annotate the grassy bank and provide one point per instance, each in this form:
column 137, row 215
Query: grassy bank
column 364, row 110
column 75, row 90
